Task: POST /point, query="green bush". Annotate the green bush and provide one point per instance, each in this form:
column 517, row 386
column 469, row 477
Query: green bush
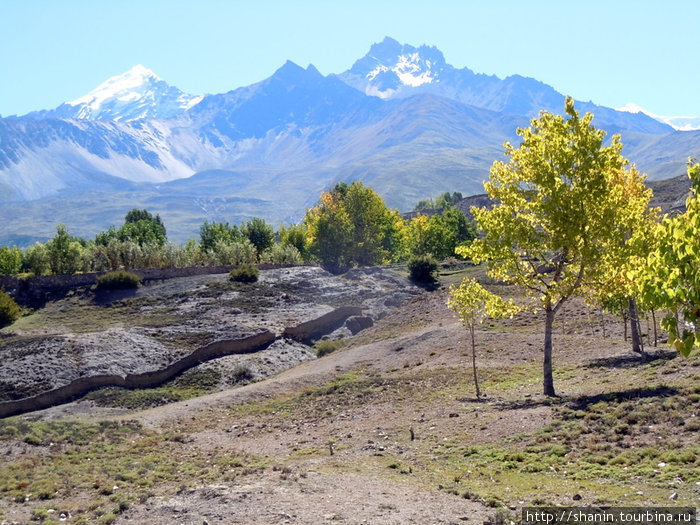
column 9, row 309
column 119, row 280
column 328, row 346
column 10, row 260
column 245, row 273
column 423, row 268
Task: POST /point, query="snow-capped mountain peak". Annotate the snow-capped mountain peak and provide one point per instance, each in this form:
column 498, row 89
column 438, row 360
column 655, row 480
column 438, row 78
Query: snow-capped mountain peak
column 125, row 87
column 389, row 67
column 136, row 94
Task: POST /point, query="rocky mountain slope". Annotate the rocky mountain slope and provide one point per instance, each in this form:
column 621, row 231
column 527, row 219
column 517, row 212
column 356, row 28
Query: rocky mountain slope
column 401, row 119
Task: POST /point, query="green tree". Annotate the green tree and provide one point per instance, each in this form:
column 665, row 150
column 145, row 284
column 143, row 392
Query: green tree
column 446, row 199
column 10, row 260
column 560, row 206
column 136, row 215
column 330, row 232
column 140, row 227
column 212, row 232
column 104, row 237
column 36, row 259
column 669, row 276
column 463, row 231
column 472, row 303
column 351, row 225
column 438, row 235
column 294, row 235
column 64, row 252
column 372, row 224
column 442, row 201
column 259, row 233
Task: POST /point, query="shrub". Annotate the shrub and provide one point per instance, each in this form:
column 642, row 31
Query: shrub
column 423, row 268
column 280, row 254
column 328, row 346
column 235, row 253
column 119, row 280
column 9, row 309
column 245, row 273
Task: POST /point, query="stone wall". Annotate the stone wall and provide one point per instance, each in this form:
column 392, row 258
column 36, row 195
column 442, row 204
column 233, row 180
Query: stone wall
column 78, row 388
column 153, row 378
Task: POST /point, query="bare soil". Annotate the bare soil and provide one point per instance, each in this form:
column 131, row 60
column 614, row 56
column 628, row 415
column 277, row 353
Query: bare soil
column 387, row 429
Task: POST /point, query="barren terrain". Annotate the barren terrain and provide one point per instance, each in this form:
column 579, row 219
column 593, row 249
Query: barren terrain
column 385, row 429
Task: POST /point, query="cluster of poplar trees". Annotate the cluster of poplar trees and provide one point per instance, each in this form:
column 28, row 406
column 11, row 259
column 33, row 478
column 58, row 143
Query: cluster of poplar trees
column 572, row 218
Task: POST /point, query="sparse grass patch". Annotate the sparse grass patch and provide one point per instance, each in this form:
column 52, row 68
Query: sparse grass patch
column 112, row 463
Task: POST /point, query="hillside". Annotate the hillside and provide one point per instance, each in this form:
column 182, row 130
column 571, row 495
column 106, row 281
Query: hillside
column 386, row 428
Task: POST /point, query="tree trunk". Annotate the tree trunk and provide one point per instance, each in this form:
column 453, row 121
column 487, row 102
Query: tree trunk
column 634, row 328
column 476, row 380
column 548, row 381
column 602, row 321
column 624, row 323
column 656, row 337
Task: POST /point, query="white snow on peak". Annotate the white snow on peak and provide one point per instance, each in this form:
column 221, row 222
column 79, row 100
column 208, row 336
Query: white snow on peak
column 409, row 71
column 138, row 93
column 118, row 87
column 677, row 123
column 631, row 107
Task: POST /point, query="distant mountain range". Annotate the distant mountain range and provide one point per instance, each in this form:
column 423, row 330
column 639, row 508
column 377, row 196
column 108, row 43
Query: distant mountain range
column 400, row 119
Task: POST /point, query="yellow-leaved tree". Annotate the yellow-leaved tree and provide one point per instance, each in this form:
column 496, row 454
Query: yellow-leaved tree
column 563, row 201
column 472, row 303
column 669, row 276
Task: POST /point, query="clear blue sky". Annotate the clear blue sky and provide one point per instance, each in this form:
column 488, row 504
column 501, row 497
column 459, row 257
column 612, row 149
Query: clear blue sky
column 610, row 52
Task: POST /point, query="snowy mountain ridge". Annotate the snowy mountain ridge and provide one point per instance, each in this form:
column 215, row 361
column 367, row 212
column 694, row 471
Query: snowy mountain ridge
column 677, row 123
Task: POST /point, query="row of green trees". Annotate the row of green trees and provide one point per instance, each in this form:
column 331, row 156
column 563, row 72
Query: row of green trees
column 572, row 217
column 351, row 226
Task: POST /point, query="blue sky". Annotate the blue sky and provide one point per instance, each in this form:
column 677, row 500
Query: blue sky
column 610, row 52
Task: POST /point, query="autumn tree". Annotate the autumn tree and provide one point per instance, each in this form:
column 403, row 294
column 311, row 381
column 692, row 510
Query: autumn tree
column 351, row 225
column 669, row 276
column 472, row 304
column 612, row 286
column 560, row 204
